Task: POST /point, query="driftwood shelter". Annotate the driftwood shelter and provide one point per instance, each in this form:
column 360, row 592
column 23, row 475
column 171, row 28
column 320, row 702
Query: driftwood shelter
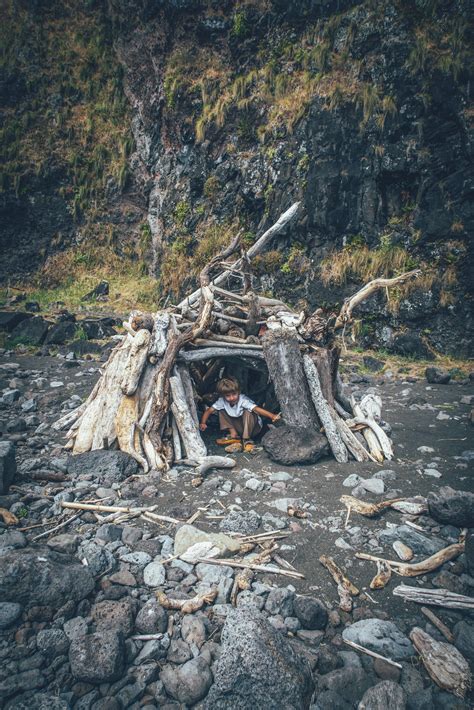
column 166, row 366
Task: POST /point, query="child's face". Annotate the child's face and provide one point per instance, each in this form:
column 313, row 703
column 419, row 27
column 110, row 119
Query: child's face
column 232, row 397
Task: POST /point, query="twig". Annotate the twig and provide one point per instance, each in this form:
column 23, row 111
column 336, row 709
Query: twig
column 147, row 637
column 362, row 649
column 257, row 568
column 57, row 527
column 120, row 509
column 348, row 516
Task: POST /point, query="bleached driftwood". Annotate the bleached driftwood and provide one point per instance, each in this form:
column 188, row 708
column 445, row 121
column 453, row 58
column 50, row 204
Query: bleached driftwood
column 159, row 340
column 208, row 462
column 188, row 429
column 416, row 568
column 347, row 436
column 440, row 625
column 435, row 597
column 257, row 248
column 371, row 510
column 210, row 353
column 373, row 654
column 446, row 666
column 345, row 588
column 189, row 391
column 322, row 408
column 178, row 451
column 186, row 606
column 383, row 576
column 136, row 362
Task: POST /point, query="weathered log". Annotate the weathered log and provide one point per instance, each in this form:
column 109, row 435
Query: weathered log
column 259, row 246
column 208, row 353
column 352, row 443
column 158, row 339
column 285, row 366
column 227, row 343
column 321, row 359
column 321, row 405
column 186, row 423
column 383, row 576
column 208, row 462
column 435, row 597
column 136, row 362
column 345, row 588
column 446, row 666
column 178, row 452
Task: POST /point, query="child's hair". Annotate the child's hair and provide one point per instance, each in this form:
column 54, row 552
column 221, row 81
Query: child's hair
column 228, row 385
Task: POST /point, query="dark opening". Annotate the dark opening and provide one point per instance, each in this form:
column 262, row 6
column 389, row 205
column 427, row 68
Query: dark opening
column 254, row 382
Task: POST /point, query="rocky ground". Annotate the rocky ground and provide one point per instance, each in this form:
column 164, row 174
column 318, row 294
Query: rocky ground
column 80, row 622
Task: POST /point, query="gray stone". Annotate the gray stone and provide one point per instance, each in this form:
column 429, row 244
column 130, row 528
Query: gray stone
column 99, row 559
column 7, row 466
column 9, row 613
column 352, row 480
column 280, row 601
column 419, row 543
column 452, row 507
column 75, row 628
column 41, row 577
column 381, row 636
column 193, row 630
column 464, row 639
column 12, row 540
column 151, row 618
column 280, row 476
column 140, row 559
column 437, row 376
column 188, row 683
column 31, row 331
column 386, row 694
column 11, row 396
column 254, row 484
column 245, row 523
column 187, row 536
column 153, row 650
column 64, row 542
column 469, row 552
column 109, row 532
column 257, row 667
column 154, row 574
column 179, row 652
column 373, row 485
column 29, row 405
column 131, row 535
column 107, row 467
column 116, row 615
column 289, row 445
column 212, row 574
column 97, row 658
column 311, row 613
column 52, row 642
column 348, row 683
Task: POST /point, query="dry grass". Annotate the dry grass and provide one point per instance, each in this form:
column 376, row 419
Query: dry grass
column 410, row 367
column 365, row 264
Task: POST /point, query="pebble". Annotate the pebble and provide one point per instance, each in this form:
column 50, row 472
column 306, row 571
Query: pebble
column 154, row 574
column 255, row 485
column 56, row 383
column 433, row 472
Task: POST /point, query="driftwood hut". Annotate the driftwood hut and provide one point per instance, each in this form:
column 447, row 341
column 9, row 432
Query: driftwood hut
column 164, row 370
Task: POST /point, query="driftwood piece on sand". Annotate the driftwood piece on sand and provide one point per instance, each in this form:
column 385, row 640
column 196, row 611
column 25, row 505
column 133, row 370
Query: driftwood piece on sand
column 349, row 439
column 435, row 597
column 186, row 606
column 436, row 621
column 383, row 576
column 374, row 654
column 405, row 569
column 345, row 588
column 446, row 666
column 215, row 352
column 189, row 391
column 322, row 408
column 371, row 510
column 159, row 340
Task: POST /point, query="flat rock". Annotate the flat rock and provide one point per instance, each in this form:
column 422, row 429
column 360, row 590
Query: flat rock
column 419, row 543
column 42, row 577
column 257, row 667
column 30, row 331
column 452, row 507
column 108, row 467
column 352, row 480
column 116, row 615
column 381, row 636
column 9, row 613
column 189, row 682
column 97, row 658
column 187, row 535
column 154, row 574
column 64, row 542
column 290, row 445
column 7, row 466
column 464, row 639
column 52, row 642
column 373, row 485
column 382, row 696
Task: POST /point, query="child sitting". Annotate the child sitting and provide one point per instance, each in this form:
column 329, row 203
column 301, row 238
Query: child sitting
column 238, row 414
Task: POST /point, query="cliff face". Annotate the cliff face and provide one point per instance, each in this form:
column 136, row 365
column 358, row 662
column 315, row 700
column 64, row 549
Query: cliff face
column 358, row 109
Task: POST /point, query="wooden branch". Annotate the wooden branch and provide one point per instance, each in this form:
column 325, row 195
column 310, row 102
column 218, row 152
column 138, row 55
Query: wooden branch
column 345, row 314
column 178, row 453
column 362, row 649
column 188, row 429
column 383, row 576
column 345, row 587
column 233, row 344
column 136, row 362
column 405, row 569
column 209, row 353
column 189, row 390
column 435, row 597
column 352, row 443
column 186, row 606
column 370, row 510
column 208, row 462
column 119, row 509
column 259, row 246
column 158, row 339
column 257, row 568
column 335, row 442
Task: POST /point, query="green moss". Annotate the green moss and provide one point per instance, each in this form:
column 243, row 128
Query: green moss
column 212, row 187
column 181, row 212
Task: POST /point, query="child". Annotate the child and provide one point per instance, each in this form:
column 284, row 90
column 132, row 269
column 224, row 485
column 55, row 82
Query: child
column 238, row 414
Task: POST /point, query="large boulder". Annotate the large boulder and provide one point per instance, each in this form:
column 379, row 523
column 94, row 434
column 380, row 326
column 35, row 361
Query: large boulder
column 41, row 577
column 452, row 507
column 437, row 376
column 97, row 329
column 108, row 467
column 290, row 445
column 31, row 331
column 410, row 345
column 386, row 694
column 98, row 658
column 10, row 319
column 7, row 466
column 61, row 333
column 380, row 636
column 257, row 667
column 187, row 683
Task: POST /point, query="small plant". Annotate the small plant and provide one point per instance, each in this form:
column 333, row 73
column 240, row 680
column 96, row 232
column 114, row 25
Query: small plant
column 181, row 212
column 211, row 187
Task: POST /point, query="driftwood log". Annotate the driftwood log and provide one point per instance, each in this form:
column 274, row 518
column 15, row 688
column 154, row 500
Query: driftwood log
column 446, row 666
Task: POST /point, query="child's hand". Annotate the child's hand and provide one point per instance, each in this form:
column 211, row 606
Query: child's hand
column 203, row 426
column 276, row 417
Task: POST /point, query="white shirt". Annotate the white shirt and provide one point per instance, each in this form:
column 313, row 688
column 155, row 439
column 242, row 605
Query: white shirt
column 237, row 409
